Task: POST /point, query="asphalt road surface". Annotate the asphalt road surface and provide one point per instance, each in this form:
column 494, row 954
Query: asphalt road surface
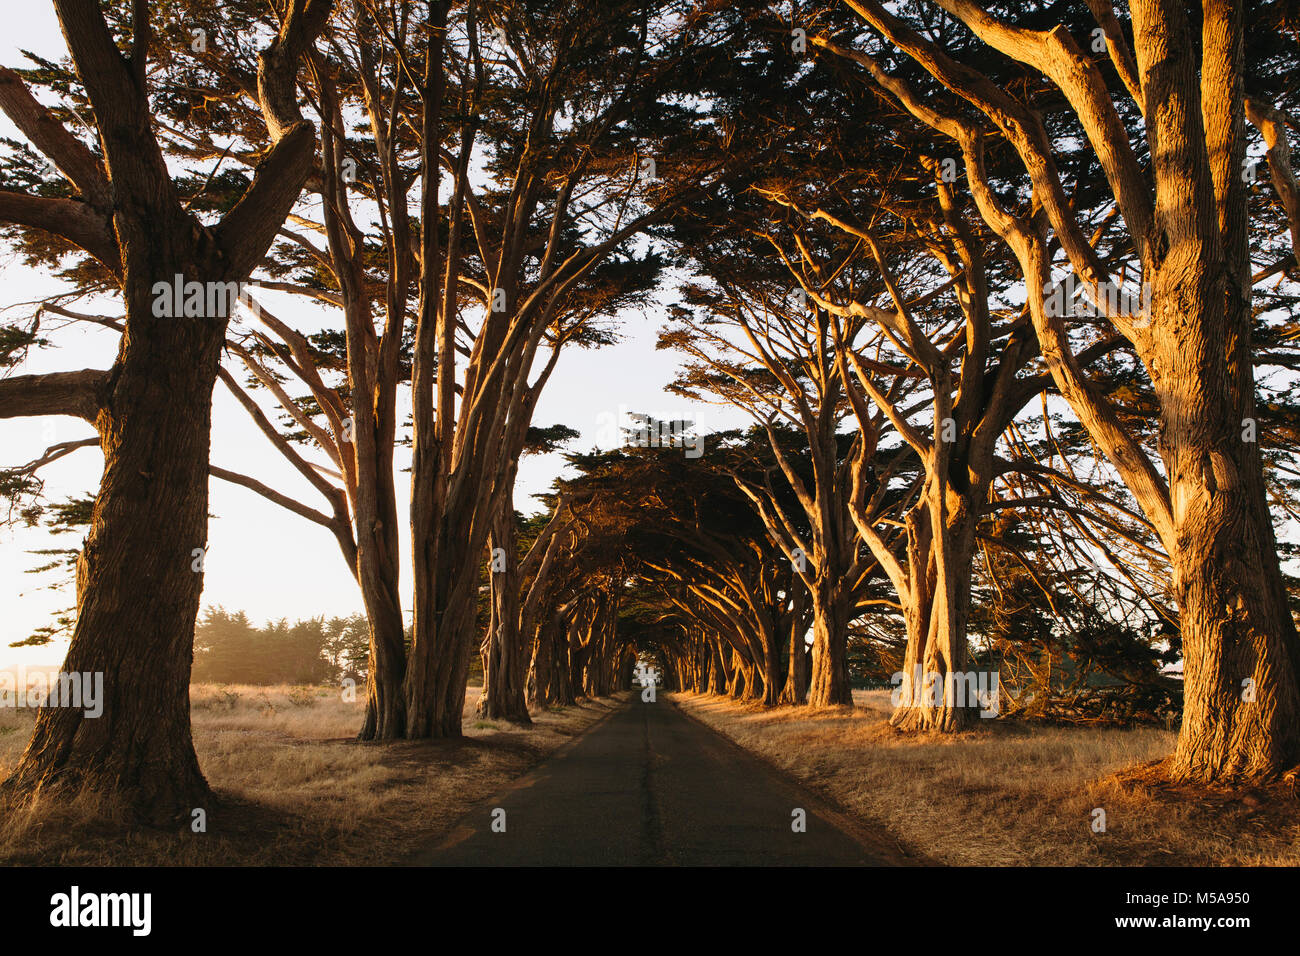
column 649, row 786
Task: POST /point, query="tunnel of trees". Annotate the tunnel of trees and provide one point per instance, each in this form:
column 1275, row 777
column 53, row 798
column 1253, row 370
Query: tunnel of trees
column 1005, row 294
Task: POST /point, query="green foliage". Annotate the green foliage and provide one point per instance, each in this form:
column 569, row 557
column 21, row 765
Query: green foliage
column 229, row 649
column 15, row 342
column 542, row 440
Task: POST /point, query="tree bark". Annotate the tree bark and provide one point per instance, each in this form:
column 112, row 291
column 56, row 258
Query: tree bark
column 137, row 591
column 506, row 662
column 797, row 676
column 936, row 611
column 830, row 663
column 139, row 577
column 385, row 717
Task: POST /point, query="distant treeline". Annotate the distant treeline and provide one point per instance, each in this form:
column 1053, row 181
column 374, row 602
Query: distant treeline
column 230, row 649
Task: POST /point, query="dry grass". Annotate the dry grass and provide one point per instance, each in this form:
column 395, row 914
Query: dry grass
column 1008, row 794
column 292, row 785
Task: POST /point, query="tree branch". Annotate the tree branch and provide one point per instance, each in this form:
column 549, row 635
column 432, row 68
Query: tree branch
column 79, row 394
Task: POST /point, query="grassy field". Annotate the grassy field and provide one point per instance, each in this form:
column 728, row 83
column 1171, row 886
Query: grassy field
column 1010, row 794
column 293, row 787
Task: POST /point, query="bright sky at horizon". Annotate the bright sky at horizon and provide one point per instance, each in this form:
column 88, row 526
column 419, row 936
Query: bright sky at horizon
column 261, row 558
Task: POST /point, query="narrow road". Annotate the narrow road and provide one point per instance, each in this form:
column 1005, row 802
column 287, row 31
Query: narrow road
column 649, row 786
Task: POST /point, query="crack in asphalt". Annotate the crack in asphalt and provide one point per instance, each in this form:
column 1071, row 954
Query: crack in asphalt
column 653, row 823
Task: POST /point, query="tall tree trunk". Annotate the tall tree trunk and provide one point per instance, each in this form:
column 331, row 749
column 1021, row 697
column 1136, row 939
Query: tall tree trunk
column 755, row 688
column 579, row 652
column 445, row 612
column 506, row 662
column 378, row 570
column 830, row 661
column 726, row 666
column 551, row 662
column 539, row 677
column 717, row 682
column 385, row 717
column 771, row 666
column 739, row 675
column 795, row 690
column 1241, row 718
column 936, row 613
column 1241, row 653
column 449, row 493
column 138, row 577
column 562, row 651
column 797, row 675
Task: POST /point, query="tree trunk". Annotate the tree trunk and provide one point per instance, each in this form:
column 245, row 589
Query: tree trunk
column 377, row 574
column 385, row 717
column 551, row 667
column 505, row 664
column 936, row 615
column 139, row 577
column 1241, row 717
column 140, row 574
column 755, row 687
column 539, row 669
column 703, row 664
column 438, row 670
column 771, row 663
column 1241, row 653
column 739, row 675
column 830, row 661
column 579, row 652
column 795, row 690
column 717, row 682
column 562, row 666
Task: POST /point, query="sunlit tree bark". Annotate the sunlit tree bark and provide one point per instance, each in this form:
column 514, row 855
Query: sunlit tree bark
column 138, row 585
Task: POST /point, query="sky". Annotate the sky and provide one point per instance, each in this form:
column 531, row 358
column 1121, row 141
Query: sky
column 262, row 559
